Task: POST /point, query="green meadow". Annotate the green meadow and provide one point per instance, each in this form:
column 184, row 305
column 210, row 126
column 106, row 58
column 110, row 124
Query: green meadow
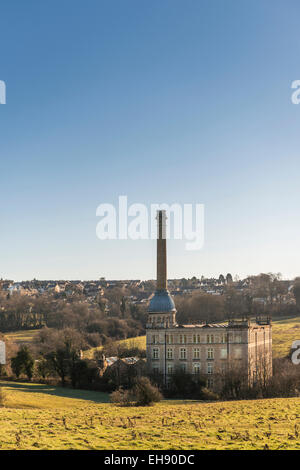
column 43, row 417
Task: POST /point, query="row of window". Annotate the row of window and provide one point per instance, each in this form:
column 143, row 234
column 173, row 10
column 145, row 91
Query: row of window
column 161, row 319
column 196, row 353
column 183, row 366
column 196, row 339
column 209, row 383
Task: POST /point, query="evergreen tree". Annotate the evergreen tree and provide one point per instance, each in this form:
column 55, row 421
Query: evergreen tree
column 23, row 362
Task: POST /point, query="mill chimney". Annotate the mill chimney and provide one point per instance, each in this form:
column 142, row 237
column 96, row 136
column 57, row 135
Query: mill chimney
column 161, row 251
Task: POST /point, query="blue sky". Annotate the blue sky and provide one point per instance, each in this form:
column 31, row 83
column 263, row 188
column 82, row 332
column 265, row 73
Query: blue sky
column 162, row 101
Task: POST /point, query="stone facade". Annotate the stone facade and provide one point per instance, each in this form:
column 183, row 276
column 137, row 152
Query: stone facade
column 211, row 349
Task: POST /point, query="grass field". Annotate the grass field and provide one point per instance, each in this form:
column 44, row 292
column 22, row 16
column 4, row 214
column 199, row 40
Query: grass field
column 22, row 337
column 41, row 417
column 284, row 332
column 138, row 341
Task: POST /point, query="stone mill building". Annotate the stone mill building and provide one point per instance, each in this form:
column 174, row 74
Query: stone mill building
column 209, row 349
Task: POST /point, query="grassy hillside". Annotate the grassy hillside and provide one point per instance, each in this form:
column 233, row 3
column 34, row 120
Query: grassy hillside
column 22, row 337
column 41, row 417
column 138, row 341
column 284, row 333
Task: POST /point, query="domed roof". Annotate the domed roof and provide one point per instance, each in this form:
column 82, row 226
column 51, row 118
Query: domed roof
column 161, row 302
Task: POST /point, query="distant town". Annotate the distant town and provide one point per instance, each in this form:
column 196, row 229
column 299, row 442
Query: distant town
column 140, row 292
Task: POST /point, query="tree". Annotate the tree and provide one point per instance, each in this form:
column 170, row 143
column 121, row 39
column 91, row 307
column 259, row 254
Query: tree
column 235, row 304
column 296, row 291
column 16, row 366
column 62, row 360
column 235, row 381
column 229, row 278
column 183, row 384
column 43, row 368
column 23, row 362
column 199, row 307
column 79, row 372
column 249, row 304
column 62, row 350
column 222, row 279
column 101, row 303
column 123, row 306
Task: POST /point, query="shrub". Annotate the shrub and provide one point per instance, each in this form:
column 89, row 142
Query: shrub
column 2, row 396
column 207, row 394
column 121, row 397
column 2, row 370
column 183, row 384
column 145, row 393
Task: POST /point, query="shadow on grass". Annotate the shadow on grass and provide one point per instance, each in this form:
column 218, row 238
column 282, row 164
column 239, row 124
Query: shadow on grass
column 96, row 397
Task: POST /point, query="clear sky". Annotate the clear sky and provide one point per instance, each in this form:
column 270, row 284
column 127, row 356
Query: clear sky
column 162, row 101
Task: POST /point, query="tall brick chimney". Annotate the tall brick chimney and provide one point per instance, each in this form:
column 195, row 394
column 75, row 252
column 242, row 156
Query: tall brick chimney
column 161, row 251
column 162, row 303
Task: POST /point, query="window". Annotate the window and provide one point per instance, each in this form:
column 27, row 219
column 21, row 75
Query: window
column 210, row 368
column 169, row 353
column 183, row 367
column 169, row 339
column 238, row 338
column 224, row 338
column 238, row 353
column 196, row 354
column 182, row 339
column 210, row 383
column 210, row 353
column 169, row 369
column 210, row 338
column 196, row 368
column 155, row 353
column 155, row 370
column 154, row 339
column 196, row 339
column 223, row 353
column 182, row 353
